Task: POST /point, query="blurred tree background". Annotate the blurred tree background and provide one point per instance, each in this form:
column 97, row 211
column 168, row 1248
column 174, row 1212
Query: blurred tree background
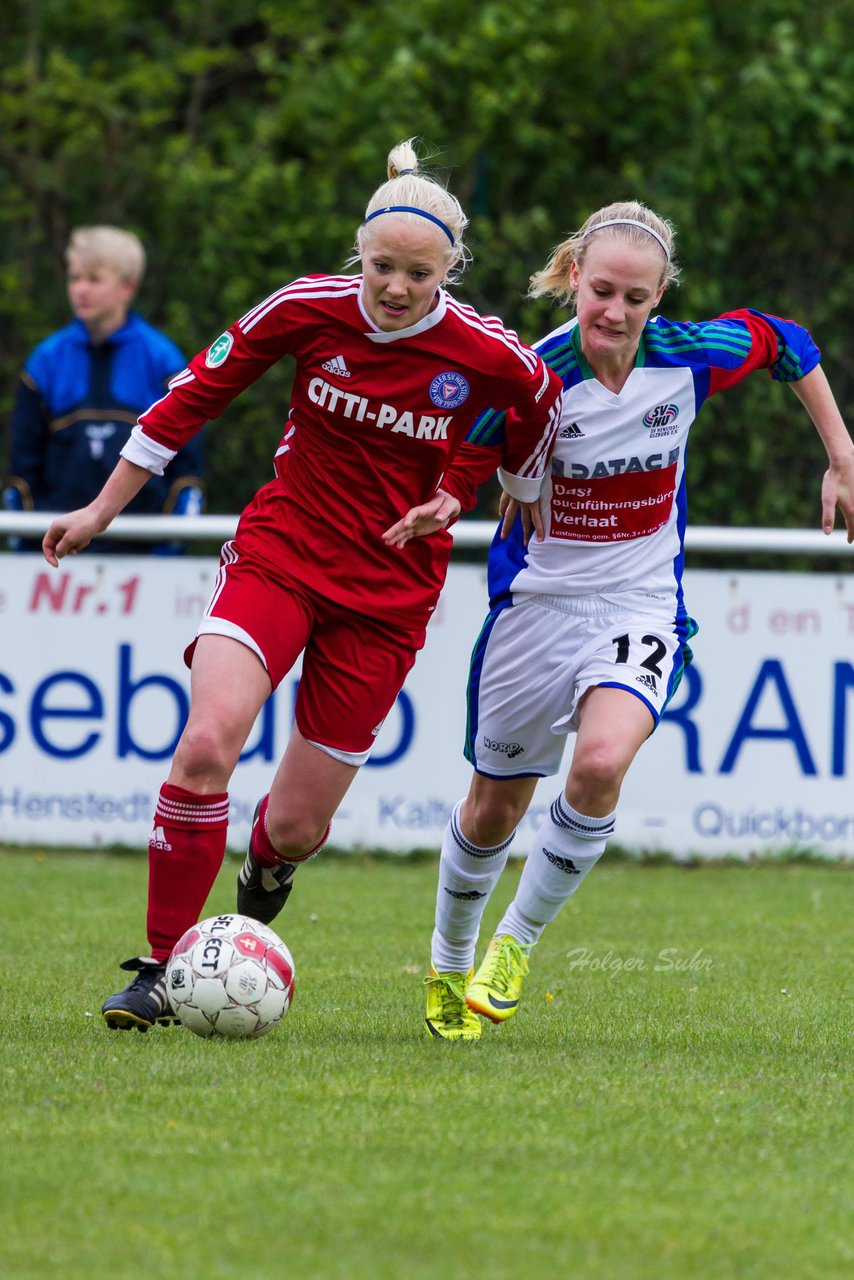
column 241, row 141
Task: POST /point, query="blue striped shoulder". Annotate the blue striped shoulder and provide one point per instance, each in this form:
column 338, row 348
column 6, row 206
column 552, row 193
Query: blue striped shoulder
column 738, row 341
column 560, row 350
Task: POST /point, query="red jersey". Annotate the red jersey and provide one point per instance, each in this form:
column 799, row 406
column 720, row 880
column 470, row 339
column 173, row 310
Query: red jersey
column 378, row 421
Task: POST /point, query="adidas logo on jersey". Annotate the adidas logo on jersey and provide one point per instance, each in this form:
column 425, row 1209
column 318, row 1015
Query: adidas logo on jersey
column 337, row 366
column 571, row 432
column 157, row 840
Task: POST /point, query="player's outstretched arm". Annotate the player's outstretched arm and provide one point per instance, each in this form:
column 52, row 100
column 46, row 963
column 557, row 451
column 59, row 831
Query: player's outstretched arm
column 419, row 521
column 70, row 533
column 837, row 489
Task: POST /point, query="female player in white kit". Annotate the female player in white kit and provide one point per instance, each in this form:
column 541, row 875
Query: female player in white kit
column 587, row 630
column 341, row 556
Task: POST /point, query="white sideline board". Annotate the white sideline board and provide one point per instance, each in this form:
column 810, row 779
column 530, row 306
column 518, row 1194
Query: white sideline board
column 755, row 755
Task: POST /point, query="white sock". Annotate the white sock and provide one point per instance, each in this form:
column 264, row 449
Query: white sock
column 565, row 849
column 467, row 876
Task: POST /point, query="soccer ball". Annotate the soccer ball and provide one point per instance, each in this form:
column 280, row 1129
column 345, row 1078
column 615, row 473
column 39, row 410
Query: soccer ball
column 230, row 976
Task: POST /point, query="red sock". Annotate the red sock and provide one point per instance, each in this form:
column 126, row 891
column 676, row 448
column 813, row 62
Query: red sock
column 185, row 853
column 266, row 852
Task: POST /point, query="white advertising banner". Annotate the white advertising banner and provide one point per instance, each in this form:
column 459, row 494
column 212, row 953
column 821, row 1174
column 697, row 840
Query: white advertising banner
column 753, row 755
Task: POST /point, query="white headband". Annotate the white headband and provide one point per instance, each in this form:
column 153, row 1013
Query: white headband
column 629, row 222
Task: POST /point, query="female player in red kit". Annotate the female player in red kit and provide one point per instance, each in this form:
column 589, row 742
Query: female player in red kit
column 391, row 374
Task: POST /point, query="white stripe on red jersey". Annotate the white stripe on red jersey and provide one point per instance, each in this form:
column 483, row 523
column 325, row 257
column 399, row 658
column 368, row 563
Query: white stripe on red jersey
column 493, row 326
column 329, row 287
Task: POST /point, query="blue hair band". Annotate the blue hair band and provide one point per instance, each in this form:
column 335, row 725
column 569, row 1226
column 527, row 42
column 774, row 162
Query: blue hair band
column 408, row 208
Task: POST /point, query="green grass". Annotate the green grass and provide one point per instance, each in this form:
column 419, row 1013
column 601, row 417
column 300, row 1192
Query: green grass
column 684, row 1118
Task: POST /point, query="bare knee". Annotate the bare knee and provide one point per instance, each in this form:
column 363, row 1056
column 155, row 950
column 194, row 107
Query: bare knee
column 294, row 835
column 490, row 817
column 204, row 759
column 596, row 776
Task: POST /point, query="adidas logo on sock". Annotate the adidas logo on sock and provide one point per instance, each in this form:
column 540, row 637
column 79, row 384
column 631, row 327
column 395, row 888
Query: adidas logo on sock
column 337, row 366
column 157, row 840
column 562, row 864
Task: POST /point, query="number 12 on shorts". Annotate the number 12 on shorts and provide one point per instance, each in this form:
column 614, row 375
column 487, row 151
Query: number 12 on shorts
column 651, row 661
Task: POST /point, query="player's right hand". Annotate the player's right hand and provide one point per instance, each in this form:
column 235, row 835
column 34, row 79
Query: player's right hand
column 438, row 513
column 69, row 534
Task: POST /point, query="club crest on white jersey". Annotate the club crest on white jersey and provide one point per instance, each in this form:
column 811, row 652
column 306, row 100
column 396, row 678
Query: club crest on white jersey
column 661, row 420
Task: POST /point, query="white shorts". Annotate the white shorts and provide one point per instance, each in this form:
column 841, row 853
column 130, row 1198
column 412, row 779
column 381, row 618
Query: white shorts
column 534, row 660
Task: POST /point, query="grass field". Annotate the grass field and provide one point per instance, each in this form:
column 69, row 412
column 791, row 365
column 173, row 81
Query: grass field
column 673, row 1099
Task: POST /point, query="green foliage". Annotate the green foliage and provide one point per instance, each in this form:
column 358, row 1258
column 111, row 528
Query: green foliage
column 242, row 141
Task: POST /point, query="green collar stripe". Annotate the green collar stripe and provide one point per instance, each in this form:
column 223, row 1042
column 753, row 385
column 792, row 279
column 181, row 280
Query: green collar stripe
column 586, row 371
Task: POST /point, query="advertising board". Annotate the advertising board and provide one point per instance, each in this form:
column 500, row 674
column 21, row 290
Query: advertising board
column 754, row 754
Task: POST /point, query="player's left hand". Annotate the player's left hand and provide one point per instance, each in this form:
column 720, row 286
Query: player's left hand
column 419, row 521
column 837, row 490
column 532, row 517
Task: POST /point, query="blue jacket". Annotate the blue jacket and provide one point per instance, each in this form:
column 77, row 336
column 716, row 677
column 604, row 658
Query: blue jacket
column 75, row 407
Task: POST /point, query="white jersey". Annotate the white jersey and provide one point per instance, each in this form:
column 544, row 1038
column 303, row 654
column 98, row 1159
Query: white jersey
column 614, row 505
column 599, row 601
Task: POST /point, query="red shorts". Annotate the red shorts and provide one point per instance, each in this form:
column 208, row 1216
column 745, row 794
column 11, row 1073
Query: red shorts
column 353, row 667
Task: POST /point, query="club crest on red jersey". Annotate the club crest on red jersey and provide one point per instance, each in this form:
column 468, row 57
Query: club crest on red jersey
column 449, row 390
